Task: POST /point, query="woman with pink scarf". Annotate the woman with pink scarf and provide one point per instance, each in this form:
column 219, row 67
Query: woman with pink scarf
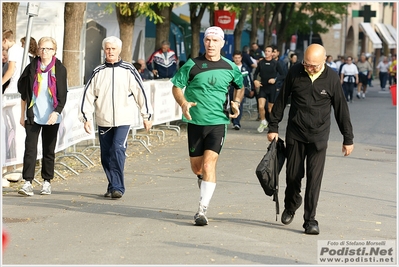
column 43, row 89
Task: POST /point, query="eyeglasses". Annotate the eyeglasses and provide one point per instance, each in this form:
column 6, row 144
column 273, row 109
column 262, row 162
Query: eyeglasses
column 46, row 49
column 311, row 66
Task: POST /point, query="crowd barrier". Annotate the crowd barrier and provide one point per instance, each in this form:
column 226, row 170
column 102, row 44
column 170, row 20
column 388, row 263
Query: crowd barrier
column 71, row 131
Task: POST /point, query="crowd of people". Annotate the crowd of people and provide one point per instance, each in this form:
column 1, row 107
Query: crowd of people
column 215, row 89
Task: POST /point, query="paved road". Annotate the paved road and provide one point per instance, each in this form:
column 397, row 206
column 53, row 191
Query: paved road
column 153, row 222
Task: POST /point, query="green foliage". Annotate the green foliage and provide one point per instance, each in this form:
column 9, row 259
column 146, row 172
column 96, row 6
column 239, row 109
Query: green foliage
column 138, row 8
column 315, row 17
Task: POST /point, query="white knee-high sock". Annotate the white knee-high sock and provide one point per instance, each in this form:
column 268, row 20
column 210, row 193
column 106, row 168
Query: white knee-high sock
column 207, row 189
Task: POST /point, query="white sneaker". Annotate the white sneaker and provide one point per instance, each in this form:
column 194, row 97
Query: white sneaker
column 200, row 217
column 46, row 188
column 363, row 95
column 262, row 127
column 26, row 190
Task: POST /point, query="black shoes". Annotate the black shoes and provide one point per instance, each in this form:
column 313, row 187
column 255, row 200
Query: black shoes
column 311, row 228
column 116, row 194
column 107, row 194
column 287, row 216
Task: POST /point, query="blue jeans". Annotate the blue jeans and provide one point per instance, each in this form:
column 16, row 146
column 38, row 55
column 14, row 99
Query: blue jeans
column 113, row 144
column 237, row 120
column 383, row 79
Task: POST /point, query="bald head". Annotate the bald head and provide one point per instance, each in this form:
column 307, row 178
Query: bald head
column 314, row 58
column 315, row 54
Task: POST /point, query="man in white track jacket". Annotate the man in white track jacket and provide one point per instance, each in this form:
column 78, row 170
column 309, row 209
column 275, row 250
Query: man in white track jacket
column 113, row 92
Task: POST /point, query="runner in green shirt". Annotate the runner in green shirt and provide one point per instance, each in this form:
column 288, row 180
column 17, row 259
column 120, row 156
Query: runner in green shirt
column 205, row 106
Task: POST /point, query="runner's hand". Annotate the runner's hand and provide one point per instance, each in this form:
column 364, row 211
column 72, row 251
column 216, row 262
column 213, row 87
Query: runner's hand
column 235, row 108
column 185, row 108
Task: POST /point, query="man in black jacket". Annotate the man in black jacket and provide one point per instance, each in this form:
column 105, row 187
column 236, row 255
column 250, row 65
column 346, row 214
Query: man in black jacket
column 313, row 88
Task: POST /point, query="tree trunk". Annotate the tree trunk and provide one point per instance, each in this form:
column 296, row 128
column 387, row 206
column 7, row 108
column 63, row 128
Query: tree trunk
column 73, row 24
column 274, row 21
column 212, row 15
column 253, row 38
column 196, row 27
column 10, row 11
column 240, row 26
column 126, row 27
column 282, row 35
column 267, row 34
column 163, row 28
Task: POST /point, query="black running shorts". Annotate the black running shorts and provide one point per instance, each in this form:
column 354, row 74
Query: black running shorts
column 201, row 138
column 269, row 94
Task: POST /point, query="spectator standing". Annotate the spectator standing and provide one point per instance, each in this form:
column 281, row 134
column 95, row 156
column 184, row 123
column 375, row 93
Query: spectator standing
column 293, row 60
column 392, row 71
column 331, row 63
column 15, row 55
column 206, row 80
column 32, row 51
column 113, row 92
column 4, row 68
column 349, row 78
column 383, row 72
column 248, row 60
column 308, row 129
column 256, row 53
column 144, row 72
column 365, row 72
column 338, row 62
column 163, row 62
column 43, row 89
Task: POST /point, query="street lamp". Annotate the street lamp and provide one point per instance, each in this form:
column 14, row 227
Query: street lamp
column 32, row 11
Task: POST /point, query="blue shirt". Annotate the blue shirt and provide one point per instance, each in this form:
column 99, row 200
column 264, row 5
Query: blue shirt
column 44, row 103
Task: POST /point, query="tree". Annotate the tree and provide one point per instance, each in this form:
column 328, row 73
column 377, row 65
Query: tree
column 197, row 11
column 162, row 29
column 126, row 14
column 255, row 21
column 242, row 16
column 73, row 25
column 9, row 20
column 291, row 18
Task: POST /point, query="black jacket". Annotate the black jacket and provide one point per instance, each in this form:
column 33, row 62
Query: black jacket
column 310, row 113
column 25, row 86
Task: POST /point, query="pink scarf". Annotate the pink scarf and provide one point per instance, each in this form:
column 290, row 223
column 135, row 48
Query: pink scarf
column 52, row 88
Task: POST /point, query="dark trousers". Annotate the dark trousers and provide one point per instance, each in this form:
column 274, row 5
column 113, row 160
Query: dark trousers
column 113, row 144
column 49, row 141
column 348, row 90
column 297, row 152
column 383, row 79
column 236, row 121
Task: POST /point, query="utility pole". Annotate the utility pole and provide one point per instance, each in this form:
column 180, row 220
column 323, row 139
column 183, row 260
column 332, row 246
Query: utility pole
column 32, row 11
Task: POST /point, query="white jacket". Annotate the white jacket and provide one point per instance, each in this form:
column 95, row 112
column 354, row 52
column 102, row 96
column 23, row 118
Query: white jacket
column 113, row 93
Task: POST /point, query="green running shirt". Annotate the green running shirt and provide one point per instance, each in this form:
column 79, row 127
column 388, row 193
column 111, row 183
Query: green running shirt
column 206, row 83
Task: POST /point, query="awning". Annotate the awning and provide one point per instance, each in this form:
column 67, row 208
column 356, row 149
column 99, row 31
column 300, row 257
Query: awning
column 392, row 31
column 385, row 35
column 369, row 31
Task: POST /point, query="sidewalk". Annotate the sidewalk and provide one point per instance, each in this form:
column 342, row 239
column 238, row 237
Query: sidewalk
column 153, row 222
